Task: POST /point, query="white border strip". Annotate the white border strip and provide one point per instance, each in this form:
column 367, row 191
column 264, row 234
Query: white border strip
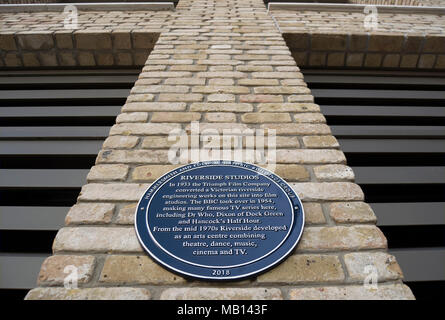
column 94, row 6
column 346, row 7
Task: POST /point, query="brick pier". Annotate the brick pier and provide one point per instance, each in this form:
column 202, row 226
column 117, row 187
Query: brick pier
column 225, row 64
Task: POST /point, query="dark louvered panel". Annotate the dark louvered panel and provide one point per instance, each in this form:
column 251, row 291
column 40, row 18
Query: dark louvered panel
column 52, row 125
column 391, row 127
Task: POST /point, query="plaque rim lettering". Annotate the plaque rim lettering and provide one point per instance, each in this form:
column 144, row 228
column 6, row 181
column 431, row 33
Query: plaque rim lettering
column 277, row 181
column 216, row 267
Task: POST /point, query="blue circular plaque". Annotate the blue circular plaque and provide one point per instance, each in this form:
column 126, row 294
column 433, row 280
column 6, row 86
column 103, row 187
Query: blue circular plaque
column 219, row 220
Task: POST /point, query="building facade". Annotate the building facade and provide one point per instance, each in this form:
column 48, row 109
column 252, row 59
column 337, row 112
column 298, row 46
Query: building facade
column 234, row 64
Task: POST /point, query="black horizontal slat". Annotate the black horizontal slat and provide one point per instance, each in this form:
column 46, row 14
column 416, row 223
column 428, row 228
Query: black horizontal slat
column 32, row 218
column 42, row 197
column 399, row 175
column 409, row 213
column 388, row 131
column 65, row 94
column 405, row 192
column 54, row 132
column 312, row 79
column 67, row 79
column 20, row 271
column 392, row 145
column 26, row 241
column 382, row 111
column 48, row 119
column 418, row 236
column 379, row 94
column 66, row 72
column 391, row 126
column 50, row 147
column 421, row 264
column 59, row 111
column 42, row 178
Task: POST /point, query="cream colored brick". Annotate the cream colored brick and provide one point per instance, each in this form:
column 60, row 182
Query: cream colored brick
column 186, row 97
column 119, row 293
column 136, row 269
column 352, row 212
column 292, row 172
column 222, row 74
column 197, row 293
column 140, row 97
column 309, row 118
column 309, row 156
column 104, row 172
column 251, row 68
column 161, row 142
column 220, row 81
column 143, row 128
column 265, row 117
column 385, row 264
column 358, row 292
column 160, row 88
column 126, row 214
column 288, row 107
column 220, row 117
column 328, row 191
column 221, row 89
column 333, row 172
column 336, row 238
column 277, row 75
column 132, row 156
column 305, row 269
column 282, row 90
column 313, row 213
column 287, row 142
column 165, row 74
column 320, row 142
column 258, row 82
column 301, row 98
column 53, row 269
column 188, row 67
column 253, row 98
column 117, row 142
column 112, row 192
column 132, row 117
column 299, row 129
column 96, row 239
column 90, row 213
column 175, row 116
column 186, row 81
column 221, row 107
column 221, row 97
column 154, row 106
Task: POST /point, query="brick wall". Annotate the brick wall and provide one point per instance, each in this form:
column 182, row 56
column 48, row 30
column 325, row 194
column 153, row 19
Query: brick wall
column 316, row 38
column 102, row 38
column 225, row 64
column 340, row 39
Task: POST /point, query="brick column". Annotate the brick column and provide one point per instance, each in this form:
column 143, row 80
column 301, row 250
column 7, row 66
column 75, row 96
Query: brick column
column 225, row 64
